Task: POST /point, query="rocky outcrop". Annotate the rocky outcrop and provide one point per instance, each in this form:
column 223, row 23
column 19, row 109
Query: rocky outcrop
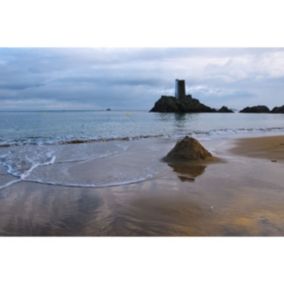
column 256, row 109
column 225, row 109
column 186, row 150
column 172, row 104
column 278, row 109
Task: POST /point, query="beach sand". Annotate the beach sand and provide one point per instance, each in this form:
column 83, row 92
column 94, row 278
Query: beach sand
column 261, row 147
column 241, row 196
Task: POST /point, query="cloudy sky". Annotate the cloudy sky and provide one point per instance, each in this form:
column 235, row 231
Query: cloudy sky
column 59, row 78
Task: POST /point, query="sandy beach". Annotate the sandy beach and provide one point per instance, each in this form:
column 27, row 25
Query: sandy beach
column 261, row 147
column 243, row 195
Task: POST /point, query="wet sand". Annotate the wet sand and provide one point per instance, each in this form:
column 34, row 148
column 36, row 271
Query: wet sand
column 261, row 147
column 241, row 196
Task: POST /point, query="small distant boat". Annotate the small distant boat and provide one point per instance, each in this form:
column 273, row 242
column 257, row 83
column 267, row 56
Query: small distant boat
column 108, row 109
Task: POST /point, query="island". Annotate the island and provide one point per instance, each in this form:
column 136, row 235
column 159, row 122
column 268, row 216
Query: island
column 182, row 103
column 256, row 109
column 279, row 109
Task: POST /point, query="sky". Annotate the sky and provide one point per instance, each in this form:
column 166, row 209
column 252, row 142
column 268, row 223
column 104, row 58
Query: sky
column 132, row 78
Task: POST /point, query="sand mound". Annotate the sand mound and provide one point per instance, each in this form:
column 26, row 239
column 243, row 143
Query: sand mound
column 188, row 149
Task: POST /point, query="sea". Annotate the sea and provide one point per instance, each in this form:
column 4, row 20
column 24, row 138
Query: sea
column 108, row 148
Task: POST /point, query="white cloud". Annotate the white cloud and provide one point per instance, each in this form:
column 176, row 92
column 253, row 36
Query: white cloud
column 226, row 68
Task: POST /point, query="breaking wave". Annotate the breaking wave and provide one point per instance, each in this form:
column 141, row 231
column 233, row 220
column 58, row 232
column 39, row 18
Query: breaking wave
column 200, row 133
column 63, row 141
column 20, row 164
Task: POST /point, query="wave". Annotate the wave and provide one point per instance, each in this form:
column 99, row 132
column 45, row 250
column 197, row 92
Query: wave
column 93, row 185
column 81, row 141
column 236, row 131
column 9, row 183
column 73, row 141
column 21, row 164
column 58, row 141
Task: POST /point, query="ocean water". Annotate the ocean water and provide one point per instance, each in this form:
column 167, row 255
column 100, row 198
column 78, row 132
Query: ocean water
column 102, row 149
column 53, row 127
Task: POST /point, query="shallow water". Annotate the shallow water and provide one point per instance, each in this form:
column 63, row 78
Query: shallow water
column 100, row 164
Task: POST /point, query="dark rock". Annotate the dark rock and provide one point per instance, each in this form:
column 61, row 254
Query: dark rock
column 166, row 104
column 188, row 149
column 256, row 109
column 172, row 104
column 278, row 109
column 225, row 110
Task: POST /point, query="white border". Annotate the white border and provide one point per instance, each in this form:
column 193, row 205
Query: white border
column 132, row 23
column 142, row 260
column 137, row 23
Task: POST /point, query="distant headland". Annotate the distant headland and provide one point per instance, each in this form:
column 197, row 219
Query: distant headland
column 182, row 103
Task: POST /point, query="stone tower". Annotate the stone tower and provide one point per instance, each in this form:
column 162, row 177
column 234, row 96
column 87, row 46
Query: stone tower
column 180, row 89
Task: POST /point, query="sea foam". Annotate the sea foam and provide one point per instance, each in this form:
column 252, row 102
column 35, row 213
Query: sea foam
column 20, row 162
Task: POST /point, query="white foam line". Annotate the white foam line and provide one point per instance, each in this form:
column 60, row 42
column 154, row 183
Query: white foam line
column 108, row 185
column 9, row 183
column 23, row 177
column 28, row 172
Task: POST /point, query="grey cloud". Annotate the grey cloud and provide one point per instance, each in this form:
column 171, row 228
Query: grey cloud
column 135, row 78
column 15, row 86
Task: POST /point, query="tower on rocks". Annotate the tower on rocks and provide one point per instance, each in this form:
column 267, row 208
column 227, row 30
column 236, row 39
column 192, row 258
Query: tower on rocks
column 180, row 89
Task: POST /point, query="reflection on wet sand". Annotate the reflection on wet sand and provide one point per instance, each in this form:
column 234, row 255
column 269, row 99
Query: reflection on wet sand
column 188, row 171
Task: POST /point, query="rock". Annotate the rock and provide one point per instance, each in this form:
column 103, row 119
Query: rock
column 279, row 109
column 188, row 149
column 172, row 104
column 256, row 109
column 225, row 110
column 166, row 104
